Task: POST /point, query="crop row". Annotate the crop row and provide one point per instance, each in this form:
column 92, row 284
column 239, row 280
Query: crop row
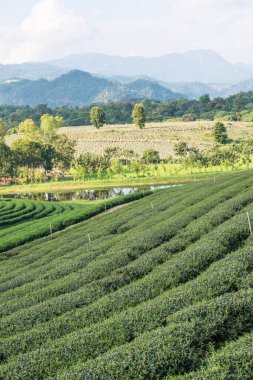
column 45, row 226
column 48, row 248
column 127, row 249
column 32, row 294
column 27, row 210
column 221, row 277
column 70, row 241
column 173, row 349
column 97, row 208
column 232, row 362
column 182, row 268
column 74, row 248
column 232, row 208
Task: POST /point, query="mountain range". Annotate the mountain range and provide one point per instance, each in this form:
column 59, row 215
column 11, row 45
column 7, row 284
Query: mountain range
column 78, row 88
column 68, row 81
column 204, row 66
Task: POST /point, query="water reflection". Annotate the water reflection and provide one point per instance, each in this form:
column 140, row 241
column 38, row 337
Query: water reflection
column 89, row 195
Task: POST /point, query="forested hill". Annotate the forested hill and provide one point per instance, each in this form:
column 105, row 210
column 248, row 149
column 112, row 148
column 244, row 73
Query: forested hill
column 79, row 88
column 236, row 108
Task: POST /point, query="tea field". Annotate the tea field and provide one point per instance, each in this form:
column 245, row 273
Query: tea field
column 160, row 289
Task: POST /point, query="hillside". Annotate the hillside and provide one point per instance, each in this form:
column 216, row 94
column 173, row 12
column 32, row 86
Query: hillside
column 32, row 71
column 78, row 88
column 157, row 289
column 204, row 66
column 159, row 136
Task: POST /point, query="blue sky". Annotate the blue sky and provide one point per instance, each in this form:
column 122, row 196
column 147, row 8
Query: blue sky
column 34, row 30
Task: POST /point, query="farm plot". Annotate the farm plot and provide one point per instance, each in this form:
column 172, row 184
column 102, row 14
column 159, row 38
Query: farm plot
column 23, row 220
column 159, row 136
column 161, row 289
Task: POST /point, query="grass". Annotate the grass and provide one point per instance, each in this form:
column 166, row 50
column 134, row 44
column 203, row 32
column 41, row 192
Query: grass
column 159, row 289
column 118, row 181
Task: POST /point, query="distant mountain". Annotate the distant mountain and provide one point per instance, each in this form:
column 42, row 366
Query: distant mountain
column 194, row 90
column 204, row 66
column 79, row 88
column 244, row 86
column 32, row 71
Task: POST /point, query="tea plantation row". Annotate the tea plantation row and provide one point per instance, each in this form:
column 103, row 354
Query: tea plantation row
column 161, row 289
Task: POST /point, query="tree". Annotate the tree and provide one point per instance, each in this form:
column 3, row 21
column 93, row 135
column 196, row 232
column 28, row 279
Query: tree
column 2, row 130
column 188, row 117
column 138, row 115
column 151, row 156
column 49, row 125
column 136, row 167
column 28, row 153
column 6, row 161
column 220, row 133
column 64, row 151
column 97, row 117
column 28, row 129
column 181, row 149
column 204, row 99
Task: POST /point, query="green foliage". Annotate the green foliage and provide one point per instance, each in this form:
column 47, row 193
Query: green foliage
column 28, row 129
column 154, row 290
column 28, row 153
column 181, row 149
column 97, row 117
column 2, row 130
column 138, row 115
column 49, row 125
column 229, row 108
column 93, row 163
column 151, row 156
column 220, row 133
column 7, row 161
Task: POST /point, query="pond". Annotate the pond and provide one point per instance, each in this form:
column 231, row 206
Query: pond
column 88, row 195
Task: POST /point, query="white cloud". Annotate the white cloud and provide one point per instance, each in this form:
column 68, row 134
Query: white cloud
column 139, row 27
column 50, row 31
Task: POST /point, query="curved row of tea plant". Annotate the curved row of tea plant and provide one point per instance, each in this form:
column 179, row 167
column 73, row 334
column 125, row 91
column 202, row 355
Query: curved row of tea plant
column 76, row 283
column 154, row 290
column 160, row 228
column 19, row 211
column 51, row 218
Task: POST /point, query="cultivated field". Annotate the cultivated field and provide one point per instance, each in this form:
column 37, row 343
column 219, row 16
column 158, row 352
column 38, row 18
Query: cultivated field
column 159, row 136
column 160, row 289
column 23, row 220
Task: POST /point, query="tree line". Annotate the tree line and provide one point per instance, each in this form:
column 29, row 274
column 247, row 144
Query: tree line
column 236, row 107
column 40, row 154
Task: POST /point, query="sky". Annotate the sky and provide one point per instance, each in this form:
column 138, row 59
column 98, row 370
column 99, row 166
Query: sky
column 41, row 30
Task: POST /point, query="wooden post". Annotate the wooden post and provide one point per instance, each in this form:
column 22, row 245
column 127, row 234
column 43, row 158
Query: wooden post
column 50, row 225
column 250, row 227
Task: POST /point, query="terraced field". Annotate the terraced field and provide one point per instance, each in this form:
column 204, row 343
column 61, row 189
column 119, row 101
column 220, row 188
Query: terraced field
column 23, row 220
column 160, row 289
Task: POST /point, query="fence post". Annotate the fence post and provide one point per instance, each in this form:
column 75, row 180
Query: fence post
column 250, row 227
